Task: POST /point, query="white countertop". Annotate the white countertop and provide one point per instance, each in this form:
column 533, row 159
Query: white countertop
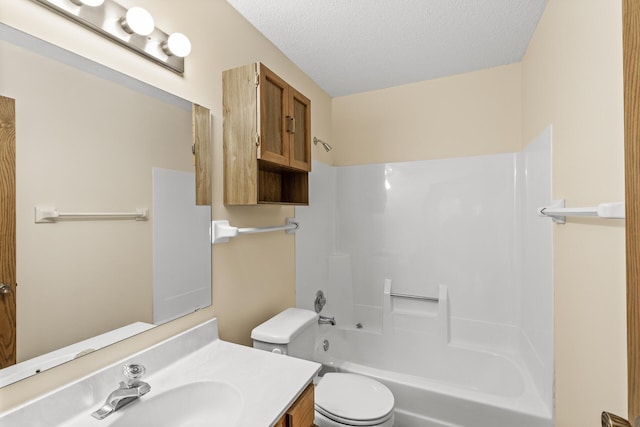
column 268, row 383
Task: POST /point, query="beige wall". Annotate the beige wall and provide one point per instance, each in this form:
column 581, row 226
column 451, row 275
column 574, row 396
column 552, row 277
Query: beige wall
column 253, row 276
column 572, row 78
column 463, row 115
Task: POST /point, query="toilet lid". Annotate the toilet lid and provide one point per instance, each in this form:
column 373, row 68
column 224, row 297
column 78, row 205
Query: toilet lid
column 353, row 398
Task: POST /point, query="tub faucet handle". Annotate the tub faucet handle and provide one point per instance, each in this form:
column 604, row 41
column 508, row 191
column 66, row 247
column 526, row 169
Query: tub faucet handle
column 319, row 302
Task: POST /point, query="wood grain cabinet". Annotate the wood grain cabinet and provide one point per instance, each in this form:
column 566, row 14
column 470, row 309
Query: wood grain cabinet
column 267, row 138
column 301, row 413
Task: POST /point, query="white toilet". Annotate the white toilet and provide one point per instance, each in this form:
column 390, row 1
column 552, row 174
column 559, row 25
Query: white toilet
column 341, row 399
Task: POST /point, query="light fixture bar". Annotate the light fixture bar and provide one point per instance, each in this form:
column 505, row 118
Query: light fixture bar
column 106, row 21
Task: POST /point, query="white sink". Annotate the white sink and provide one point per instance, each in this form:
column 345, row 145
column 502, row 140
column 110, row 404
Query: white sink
column 203, row 403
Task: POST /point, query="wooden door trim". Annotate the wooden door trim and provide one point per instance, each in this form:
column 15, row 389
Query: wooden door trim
column 631, row 67
column 202, row 148
column 8, row 229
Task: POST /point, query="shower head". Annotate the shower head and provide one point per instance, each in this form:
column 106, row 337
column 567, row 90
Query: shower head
column 326, row 146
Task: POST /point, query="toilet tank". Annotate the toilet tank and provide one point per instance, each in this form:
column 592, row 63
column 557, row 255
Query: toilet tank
column 291, row 332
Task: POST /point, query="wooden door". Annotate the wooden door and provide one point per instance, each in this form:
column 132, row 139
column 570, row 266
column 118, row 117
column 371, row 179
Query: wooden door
column 274, row 117
column 7, row 232
column 240, row 126
column 300, row 138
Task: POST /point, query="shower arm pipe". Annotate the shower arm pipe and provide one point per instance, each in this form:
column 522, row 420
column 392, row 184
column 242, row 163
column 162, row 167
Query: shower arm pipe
column 558, row 212
column 221, row 231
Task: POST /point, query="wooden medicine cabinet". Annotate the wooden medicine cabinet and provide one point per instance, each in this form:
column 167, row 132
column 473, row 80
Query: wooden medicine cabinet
column 267, row 138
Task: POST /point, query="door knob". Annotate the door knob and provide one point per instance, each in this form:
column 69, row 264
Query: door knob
column 612, row 420
column 5, row 289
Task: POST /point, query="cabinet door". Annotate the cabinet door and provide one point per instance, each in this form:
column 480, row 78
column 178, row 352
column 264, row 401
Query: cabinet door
column 302, row 412
column 300, row 135
column 273, row 117
column 282, row 422
column 240, row 127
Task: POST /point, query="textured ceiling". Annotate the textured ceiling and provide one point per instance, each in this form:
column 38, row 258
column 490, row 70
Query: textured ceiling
column 351, row 46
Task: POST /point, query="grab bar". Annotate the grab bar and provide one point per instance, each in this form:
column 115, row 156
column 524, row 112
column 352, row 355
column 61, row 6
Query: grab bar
column 221, row 231
column 394, row 294
column 51, row 214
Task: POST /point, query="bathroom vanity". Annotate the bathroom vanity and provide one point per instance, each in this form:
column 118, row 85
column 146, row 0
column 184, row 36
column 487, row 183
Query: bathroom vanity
column 301, row 412
column 194, row 377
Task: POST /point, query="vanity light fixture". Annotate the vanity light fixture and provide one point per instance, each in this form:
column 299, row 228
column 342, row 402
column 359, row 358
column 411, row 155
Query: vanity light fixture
column 137, row 20
column 177, row 44
column 92, row 3
column 133, row 28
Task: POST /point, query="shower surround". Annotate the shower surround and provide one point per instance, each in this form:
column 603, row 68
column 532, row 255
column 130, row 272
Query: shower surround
column 463, row 232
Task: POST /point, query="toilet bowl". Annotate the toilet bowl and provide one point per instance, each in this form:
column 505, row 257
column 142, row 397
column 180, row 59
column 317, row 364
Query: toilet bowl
column 341, row 399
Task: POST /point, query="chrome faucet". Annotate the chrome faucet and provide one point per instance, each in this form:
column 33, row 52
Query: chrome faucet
column 324, row 320
column 129, row 390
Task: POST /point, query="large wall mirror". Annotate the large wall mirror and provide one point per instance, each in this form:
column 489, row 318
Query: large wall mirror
column 91, row 140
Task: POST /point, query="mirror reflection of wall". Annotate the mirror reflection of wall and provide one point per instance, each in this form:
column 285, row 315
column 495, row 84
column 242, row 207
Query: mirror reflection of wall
column 85, row 143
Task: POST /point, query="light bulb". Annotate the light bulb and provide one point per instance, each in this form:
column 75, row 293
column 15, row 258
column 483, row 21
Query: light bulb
column 178, row 45
column 139, row 21
column 92, row 3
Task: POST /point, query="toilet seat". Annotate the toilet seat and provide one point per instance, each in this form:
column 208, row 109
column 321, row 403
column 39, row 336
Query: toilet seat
column 353, row 400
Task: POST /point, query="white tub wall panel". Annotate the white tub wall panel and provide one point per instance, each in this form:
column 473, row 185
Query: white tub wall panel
column 444, row 317
column 340, row 290
column 385, row 260
column 498, row 337
column 414, row 307
column 316, row 236
column 541, row 374
column 439, row 217
column 536, row 304
column 423, row 316
column 454, row 221
column 361, row 201
column 425, row 324
column 452, row 368
column 370, row 317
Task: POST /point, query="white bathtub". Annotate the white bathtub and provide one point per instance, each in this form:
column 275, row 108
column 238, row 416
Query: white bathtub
column 438, row 385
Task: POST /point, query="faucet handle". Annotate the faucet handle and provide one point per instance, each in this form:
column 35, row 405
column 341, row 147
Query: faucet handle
column 133, row 372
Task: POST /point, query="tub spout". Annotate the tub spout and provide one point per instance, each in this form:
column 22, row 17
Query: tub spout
column 324, row 320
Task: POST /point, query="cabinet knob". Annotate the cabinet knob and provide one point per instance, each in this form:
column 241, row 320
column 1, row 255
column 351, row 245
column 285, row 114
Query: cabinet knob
column 5, row 289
